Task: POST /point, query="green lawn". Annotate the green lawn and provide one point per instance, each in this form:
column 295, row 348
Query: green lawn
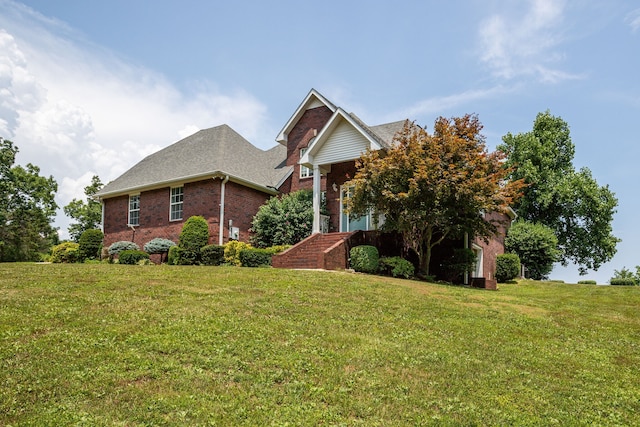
column 156, row 345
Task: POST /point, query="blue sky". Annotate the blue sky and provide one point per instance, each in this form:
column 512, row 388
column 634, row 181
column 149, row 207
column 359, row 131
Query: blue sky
column 92, row 87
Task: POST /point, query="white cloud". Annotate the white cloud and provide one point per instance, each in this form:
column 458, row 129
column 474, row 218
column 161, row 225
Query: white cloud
column 524, row 45
column 633, row 19
column 72, row 107
column 440, row 105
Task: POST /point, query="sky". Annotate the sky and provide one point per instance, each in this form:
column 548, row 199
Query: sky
column 90, row 88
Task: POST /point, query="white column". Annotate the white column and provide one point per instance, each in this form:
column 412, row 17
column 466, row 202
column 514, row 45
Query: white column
column 316, row 198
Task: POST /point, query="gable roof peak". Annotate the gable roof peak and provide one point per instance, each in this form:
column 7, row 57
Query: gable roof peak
column 312, row 100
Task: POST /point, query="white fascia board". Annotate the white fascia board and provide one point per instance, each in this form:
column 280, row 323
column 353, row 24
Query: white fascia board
column 186, row 180
column 311, row 96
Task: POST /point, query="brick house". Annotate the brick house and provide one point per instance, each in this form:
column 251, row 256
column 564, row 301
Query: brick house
column 218, row 174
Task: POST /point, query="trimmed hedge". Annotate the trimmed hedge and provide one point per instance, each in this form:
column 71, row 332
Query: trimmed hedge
column 67, row 252
column 212, row 255
column 90, row 242
column 396, row 266
column 255, row 257
column 587, row 282
column 623, row 281
column 364, row 258
column 507, row 267
column 132, row 257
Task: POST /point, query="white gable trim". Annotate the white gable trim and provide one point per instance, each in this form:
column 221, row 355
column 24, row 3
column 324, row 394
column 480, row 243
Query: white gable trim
column 312, row 100
column 338, row 117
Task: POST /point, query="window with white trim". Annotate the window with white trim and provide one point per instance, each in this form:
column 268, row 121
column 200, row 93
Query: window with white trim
column 177, row 198
column 134, row 210
column 305, row 172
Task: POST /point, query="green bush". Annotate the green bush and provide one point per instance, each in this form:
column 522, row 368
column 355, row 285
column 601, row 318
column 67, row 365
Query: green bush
column 132, row 257
column 173, row 255
column 194, row 234
column 364, row 258
column 587, row 282
column 507, row 267
column 90, row 242
column 232, row 252
column 283, row 220
column 212, row 255
column 67, row 252
column 623, row 281
column 255, row 257
column 122, row 245
column 536, row 245
column 397, row 267
column 193, row 237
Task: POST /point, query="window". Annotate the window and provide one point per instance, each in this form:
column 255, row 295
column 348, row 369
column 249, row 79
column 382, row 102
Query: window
column 177, row 197
column 305, row 172
column 134, row 210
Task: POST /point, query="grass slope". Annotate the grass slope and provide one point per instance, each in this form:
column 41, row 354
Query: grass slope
column 156, row 345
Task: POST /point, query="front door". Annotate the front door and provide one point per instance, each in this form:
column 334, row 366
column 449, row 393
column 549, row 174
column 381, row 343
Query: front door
column 349, row 222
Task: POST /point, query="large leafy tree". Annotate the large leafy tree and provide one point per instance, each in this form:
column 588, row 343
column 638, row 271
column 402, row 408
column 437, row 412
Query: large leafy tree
column 430, row 187
column 536, row 245
column 87, row 214
column 27, row 208
column 570, row 202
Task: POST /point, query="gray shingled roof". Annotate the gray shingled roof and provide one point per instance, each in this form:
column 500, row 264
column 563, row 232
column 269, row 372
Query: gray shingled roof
column 384, row 133
column 387, row 131
column 216, row 151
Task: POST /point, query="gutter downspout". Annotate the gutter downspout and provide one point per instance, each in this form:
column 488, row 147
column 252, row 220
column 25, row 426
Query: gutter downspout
column 220, row 229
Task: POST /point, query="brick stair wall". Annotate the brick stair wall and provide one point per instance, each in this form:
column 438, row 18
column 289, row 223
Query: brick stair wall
column 318, row 251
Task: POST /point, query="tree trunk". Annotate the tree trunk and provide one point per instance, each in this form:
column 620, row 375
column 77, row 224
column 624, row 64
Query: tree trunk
column 425, row 254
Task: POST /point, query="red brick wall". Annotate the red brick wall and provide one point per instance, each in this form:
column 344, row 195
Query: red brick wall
column 299, row 137
column 241, row 205
column 495, row 247
column 200, row 198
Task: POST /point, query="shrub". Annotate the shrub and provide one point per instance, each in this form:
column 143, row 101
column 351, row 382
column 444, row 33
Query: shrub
column 461, row 261
column 194, row 234
column 364, row 258
column 232, row 252
column 193, row 237
column 255, row 257
column 507, row 267
column 67, row 252
column 158, row 246
column 397, row 267
column 587, row 282
column 122, row 245
column 173, row 255
column 536, row 245
column 623, row 281
column 132, row 257
column 283, row 220
column 90, row 242
column 212, row 255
